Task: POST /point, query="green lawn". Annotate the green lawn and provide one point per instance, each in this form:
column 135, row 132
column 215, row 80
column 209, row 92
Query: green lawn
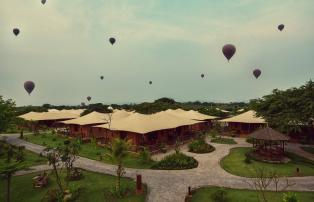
column 31, row 159
column 92, row 183
column 308, row 149
column 88, row 150
column 223, row 140
column 234, row 163
column 237, row 195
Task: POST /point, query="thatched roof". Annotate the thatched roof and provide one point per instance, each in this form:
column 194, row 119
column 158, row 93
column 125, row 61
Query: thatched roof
column 268, row 134
column 48, row 116
column 191, row 114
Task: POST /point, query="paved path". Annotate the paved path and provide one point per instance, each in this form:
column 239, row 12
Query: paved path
column 171, row 186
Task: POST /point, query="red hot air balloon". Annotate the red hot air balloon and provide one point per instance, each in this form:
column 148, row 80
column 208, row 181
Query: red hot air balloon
column 228, row 50
column 202, row 75
column 89, row 98
column 257, row 73
column 281, row 27
column 29, row 86
column 16, row 31
column 112, row 40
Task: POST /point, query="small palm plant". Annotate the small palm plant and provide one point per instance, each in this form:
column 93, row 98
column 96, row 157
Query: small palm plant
column 118, row 150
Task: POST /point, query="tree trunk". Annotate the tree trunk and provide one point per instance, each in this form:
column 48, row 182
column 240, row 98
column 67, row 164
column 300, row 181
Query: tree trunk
column 8, row 186
column 58, row 178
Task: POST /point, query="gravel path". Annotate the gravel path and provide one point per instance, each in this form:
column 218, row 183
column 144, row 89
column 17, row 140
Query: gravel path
column 172, row 186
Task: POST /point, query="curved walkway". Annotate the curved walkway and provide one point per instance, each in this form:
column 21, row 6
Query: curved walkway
column 172, row 186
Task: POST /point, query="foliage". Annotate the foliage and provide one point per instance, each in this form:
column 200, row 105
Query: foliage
column 200, row 146
column 118, row 151
column 98, row 107
column 176, row 161
column 220, row 196
column 287, row 110
column 7, row 114
column 145, row 155
column 290, row 197
column 221, row 140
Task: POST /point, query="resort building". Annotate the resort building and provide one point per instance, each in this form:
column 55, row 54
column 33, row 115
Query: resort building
column 243, row 124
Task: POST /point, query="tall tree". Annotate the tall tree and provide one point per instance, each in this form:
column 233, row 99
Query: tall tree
column 7, row 114
column 288, row 110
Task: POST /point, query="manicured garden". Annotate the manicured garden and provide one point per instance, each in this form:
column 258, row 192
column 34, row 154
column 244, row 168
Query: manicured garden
column 223, row 140
column 176, row 161
column 213, row 194
column 88, row 150
column 237, row 163
column 92, row 188
column 308, row 149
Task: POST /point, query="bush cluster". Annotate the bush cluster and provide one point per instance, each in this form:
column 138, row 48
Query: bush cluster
column 176, row 161
column 200, row 146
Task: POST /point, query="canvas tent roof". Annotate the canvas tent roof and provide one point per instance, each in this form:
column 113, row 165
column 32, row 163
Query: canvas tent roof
column 46, row 116
column 222, row 110
column 141, row 123
column 191, row 114
column 73, row 111
column 268, row 134
column 97, row 118
column 246, row 117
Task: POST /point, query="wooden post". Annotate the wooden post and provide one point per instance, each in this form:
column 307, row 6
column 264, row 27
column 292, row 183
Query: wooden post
column 189, row 191
column 139, row 188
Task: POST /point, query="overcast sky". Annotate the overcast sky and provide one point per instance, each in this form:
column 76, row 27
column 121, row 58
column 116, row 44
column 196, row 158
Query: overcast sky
column 63, row 47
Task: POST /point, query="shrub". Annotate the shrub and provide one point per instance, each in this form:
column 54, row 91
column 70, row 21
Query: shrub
column 220, row 196
column 176, row 161
column 54, row 139
column 249, row 140
column 112, row 194
column 162, row 147
column 145, row 155
column 200, row 146
column 290, row 197
column 247, row 160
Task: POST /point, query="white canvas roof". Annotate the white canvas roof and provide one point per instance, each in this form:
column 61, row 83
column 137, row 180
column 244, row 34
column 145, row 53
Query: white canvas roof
column 222, row 110
column 246, row 117
column 97, row 118
column 141, row 123
column 45, row 116
column 191, row 114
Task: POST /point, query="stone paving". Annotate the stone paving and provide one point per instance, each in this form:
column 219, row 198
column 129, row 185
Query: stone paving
column 172, row 186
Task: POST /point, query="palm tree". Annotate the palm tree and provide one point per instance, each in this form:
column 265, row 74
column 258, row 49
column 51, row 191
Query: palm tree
column 118, row 150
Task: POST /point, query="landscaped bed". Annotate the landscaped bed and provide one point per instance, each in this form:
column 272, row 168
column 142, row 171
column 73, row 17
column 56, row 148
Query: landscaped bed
column 88, row 150
column 92, row 184
column 176, row 161
column 200, row 146
column 237, row 195
column 235, row 164
column 222, row 140
column 308, row 149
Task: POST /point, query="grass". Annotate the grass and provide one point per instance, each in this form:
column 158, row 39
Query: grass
column 308, row 149
column 88, row 150
column 93, row 184
column 236, row 195
column 222, row 140
column 31, row 159
column 234, row 164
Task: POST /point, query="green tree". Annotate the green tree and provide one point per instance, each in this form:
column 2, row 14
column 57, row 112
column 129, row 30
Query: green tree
column 287, row 110
column 7, row 114
column 118, row 150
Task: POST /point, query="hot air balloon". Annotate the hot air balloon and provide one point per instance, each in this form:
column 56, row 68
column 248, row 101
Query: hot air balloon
column 257, row 73
column 228, row 50
column 16, row 31
column 83, row 103
column 150, row 82
column 89, row 98
column 112, row 40
column 281, row 27
column 101, row 77
column 43, row 1
column 29, row 86
column 202, row 75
